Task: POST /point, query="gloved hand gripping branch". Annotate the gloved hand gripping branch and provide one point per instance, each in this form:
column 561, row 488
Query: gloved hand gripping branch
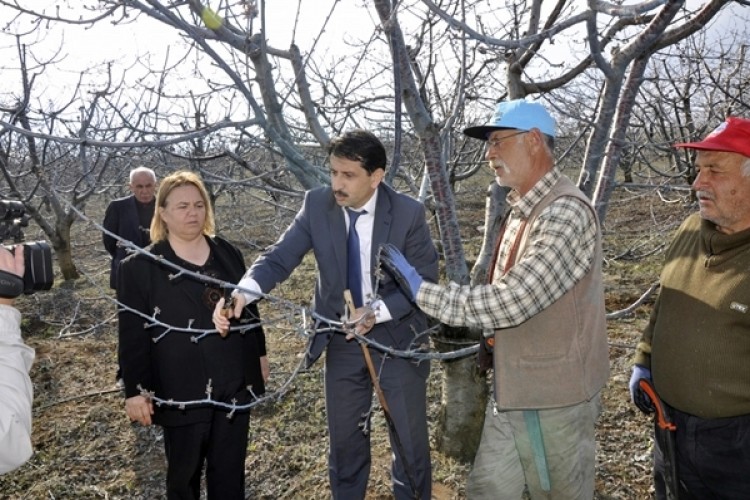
column 403, row 272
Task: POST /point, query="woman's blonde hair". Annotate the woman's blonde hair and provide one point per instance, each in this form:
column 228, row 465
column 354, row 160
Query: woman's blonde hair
column 159, row 230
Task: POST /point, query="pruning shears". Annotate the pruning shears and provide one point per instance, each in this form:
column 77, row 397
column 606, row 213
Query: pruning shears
column 664, row 433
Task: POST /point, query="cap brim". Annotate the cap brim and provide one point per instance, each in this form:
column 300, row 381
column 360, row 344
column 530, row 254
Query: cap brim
column 709, row 145
column 482, row 132
column 691, row 145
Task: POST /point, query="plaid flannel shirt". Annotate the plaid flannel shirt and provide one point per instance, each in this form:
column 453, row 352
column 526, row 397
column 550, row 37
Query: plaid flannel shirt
column 558, row 253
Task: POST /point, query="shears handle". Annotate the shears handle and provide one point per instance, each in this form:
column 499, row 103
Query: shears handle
column 661, row 416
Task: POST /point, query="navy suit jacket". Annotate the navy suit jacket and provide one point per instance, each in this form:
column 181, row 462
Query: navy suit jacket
column 320, row 226
column 121, row 218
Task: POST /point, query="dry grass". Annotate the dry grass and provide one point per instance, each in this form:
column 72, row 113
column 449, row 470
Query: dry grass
column 85, row 447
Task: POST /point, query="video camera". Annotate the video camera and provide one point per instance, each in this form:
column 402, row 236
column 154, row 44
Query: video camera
column 37, row 255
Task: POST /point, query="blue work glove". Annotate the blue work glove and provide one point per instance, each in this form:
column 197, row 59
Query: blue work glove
column 637, row 396
column 404, row 273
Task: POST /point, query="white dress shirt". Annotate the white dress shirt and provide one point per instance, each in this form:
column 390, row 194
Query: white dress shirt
column 365, row 224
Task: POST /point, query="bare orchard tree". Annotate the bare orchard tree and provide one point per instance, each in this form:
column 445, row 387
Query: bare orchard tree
column 414, row 86
column 705, row 82
column 687, row 90
column 623, row 76
column 460, row 419
column 526, row 31
column 674, row 90
column 50, row 176
column 55, row 155
column 284, row 117
column 620, row 38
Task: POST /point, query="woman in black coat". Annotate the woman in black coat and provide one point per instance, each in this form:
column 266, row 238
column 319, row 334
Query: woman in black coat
column 171, row 365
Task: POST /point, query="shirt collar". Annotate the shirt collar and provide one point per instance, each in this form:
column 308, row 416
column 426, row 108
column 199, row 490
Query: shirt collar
column 523, row 205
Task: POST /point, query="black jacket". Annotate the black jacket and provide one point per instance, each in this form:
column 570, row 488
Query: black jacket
column 121, row 218
column 176, row 367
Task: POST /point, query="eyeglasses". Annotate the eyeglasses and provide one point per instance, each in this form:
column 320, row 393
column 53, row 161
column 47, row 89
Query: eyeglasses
column 496, row 142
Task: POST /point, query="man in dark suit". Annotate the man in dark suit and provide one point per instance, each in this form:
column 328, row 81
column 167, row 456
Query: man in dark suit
column 130, row 217
column 381, row 215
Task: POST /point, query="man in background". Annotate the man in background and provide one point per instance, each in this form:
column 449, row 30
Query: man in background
column 16, row 390
column 130, row 218
column 696, row 347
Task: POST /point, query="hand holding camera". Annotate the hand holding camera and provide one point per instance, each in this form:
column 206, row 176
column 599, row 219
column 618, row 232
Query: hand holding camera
column 11, row 270
column 37, row 273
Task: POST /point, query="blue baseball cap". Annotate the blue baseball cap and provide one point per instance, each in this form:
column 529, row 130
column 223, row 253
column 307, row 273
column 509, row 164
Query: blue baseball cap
column 516, row 114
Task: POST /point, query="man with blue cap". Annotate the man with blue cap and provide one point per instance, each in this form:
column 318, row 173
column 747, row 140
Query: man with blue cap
column 542, row 310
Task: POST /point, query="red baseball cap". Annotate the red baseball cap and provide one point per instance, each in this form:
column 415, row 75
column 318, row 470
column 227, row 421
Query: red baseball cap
column 732, row 136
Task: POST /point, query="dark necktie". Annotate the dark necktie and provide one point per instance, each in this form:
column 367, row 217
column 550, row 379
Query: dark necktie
column 353, row 264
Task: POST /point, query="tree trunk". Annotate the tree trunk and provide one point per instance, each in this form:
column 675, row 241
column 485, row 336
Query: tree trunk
column 599, row 138
column 494, row 210
column 63, row 252
column 606, row 181
column 464, row 399
column 465, row 390
column 459, row 421
column 65, row 262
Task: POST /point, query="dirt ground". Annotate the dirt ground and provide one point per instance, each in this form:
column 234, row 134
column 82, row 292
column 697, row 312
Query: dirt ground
column 85, row 447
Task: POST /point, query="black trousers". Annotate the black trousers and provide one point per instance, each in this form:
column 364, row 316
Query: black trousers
column 713, row 458
column 221, row 444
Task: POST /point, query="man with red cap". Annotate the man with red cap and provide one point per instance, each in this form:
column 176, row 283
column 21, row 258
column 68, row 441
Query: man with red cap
column 696, row 347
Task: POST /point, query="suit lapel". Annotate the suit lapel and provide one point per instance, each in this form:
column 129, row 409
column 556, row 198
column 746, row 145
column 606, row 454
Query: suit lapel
column 381, row 226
